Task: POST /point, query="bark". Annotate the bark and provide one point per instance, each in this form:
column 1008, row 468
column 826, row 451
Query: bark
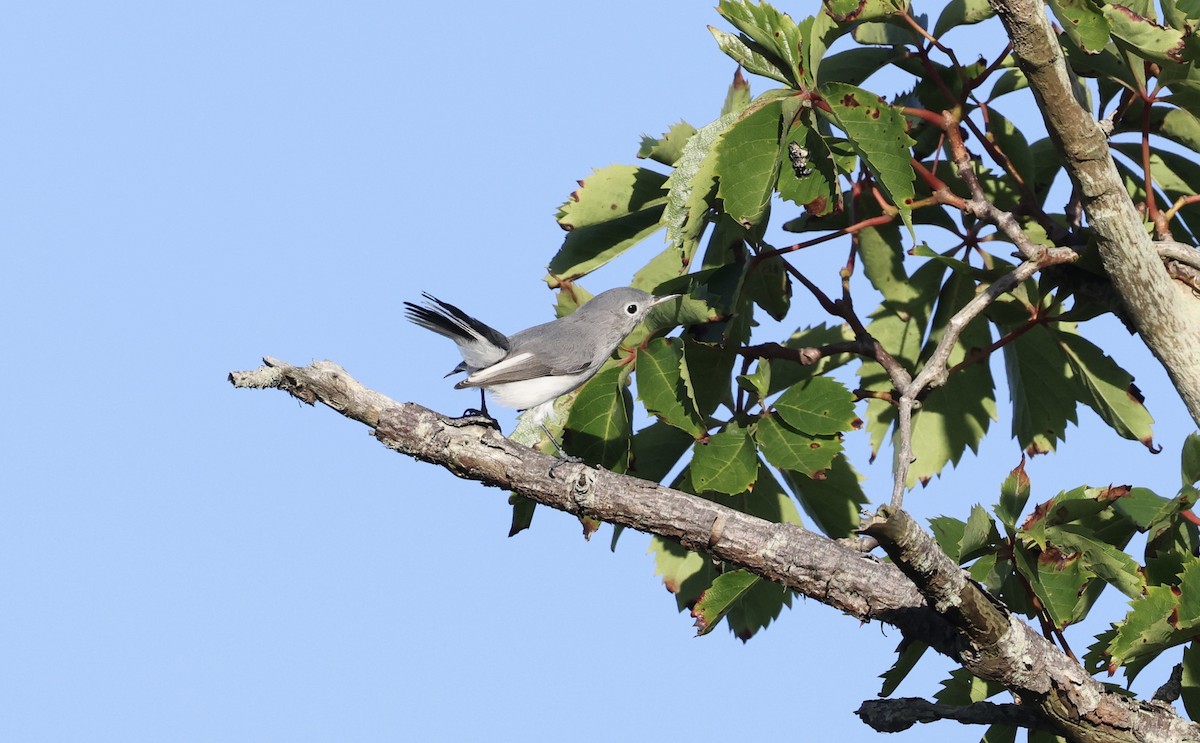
column 928, row 597
column 1164, row 312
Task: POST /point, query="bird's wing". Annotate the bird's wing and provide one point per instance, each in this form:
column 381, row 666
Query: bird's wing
column 517, row 368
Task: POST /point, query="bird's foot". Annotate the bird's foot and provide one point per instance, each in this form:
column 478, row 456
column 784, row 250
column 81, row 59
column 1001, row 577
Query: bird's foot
column 564, row 459
column 473, row 417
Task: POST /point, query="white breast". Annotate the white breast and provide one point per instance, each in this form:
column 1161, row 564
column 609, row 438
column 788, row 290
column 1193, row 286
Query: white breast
column 529, row 393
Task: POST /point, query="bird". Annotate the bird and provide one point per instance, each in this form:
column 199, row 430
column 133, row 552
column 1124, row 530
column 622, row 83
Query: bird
column 531, row 369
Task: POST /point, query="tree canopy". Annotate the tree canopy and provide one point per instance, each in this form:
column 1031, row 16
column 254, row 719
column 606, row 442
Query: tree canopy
column 970, row 247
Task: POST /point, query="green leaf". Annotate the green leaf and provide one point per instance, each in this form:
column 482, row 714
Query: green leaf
column 1191, row 680
column 962, row 13
column 882, row 255
column 853, row 11
column 522, row 516
column 963, row 688
column 768, row 285
column 1010, row 141
column 979, row 536
column 771, row 35
column 728, row 463
column 1058, row 579
column 855, row 65
column 657, row 448
column 738, row 95
column 783, row 373
column 1009, row 81
column 1190, row 465
column 948, row 533
column 1083, row 22
column 710, row 367
column 660, row 382
column 819, row 407
column 789, row 449
column 716, row 602
column 1014, row 494
column 684, row 573
column 815, row 186
column 692, row 186
column 1107, row 388
column 834, row 500
column 1145, row 38
column 668, row 148
column 907, row 655
column 1113, row 565
column 613, row 209
column 758, row 607
column 877, row 133
column 956, row 416
column 747, row 163
column 1038, row 372
column 598, row 427
column 748, row 55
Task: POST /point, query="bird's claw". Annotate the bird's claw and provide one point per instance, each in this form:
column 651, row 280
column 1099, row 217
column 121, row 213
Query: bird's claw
column 473, row 417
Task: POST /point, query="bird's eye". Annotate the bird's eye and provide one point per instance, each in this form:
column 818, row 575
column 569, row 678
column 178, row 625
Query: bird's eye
column 631, row 309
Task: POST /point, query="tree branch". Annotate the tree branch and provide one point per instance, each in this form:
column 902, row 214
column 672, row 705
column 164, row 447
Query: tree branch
column 896, row 715
column 1165, row 314
column 808, row 563
column 949, row 612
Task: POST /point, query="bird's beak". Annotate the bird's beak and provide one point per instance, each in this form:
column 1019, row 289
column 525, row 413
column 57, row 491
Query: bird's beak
column 655, row 301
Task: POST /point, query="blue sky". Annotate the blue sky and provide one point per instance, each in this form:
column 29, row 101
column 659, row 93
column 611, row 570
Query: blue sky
column 189, row 188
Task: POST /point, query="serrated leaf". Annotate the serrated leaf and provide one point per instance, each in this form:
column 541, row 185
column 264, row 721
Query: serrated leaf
column 1190, row 682
column 834, row 500
column 1083, row 22
column 692, row 185
column 668, row 148
column 684, row 573
column 1037, row 371
column 613, row 209
column 789, row 449
column 814, row 185
column 907, row 655
column 768, row 285
column 710, row 366
column 522, row 515
column 963, row 688
column 598, row 428
column 853, row 11
column 1014, row 494
column 1057, row 578
column 855, row 65
column 728, row 463
column 979, row 535
column 784, row 373
column 757, row 608
column 716, row 602
column 819, row 407
column 955, row 417
column 661, row 387
column 877, row 133
column 1145, row 38
column 962, row 13
column 948, row 533
column 749, row 56
column 882, row 255
column 1190, row 459
column 773, row 35
column 747, row 163
column 738, row 95
column 1009, row 81
column 1107, row 388
column 1109, row 563
column 1010, row 141
column 657, row 448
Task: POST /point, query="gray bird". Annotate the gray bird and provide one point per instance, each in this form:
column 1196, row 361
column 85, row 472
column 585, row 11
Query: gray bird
column 531, row 369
